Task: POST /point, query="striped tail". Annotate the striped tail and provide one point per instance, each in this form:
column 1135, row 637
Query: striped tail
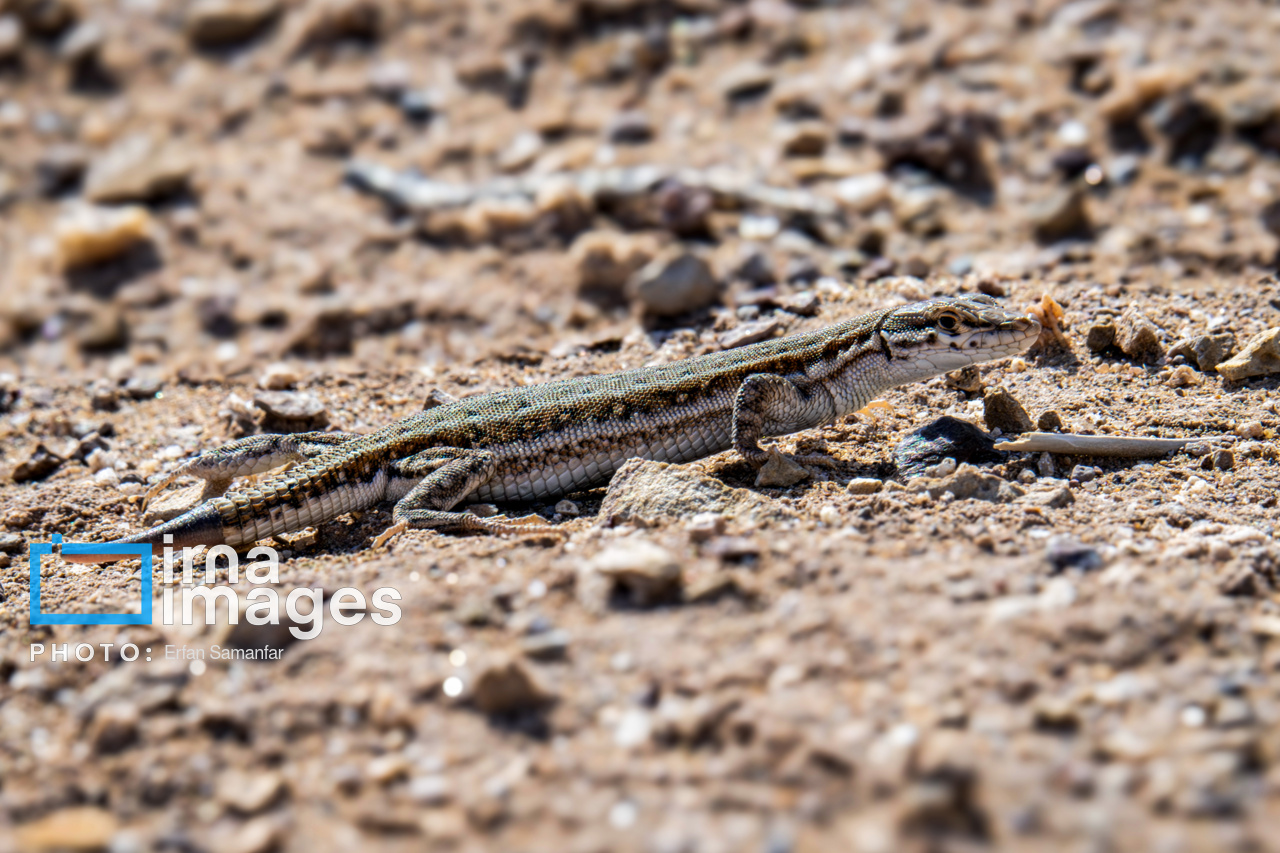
column 200, row 526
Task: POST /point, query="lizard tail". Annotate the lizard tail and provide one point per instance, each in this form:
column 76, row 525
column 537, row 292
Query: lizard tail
column 200, row 526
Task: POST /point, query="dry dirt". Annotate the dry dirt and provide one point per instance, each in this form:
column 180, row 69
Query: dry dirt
column 1092, row 664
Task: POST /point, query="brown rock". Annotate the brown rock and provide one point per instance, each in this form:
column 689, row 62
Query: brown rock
column 1061, row 216
column 249, row 793
column 1100, row 336
column 1138, row 337
column 1205, row 351
column 780, row 471
column 507, row 685
column 1002, row 411
column 804, row 139
column 1049, row 421
column 1260, row 357
column 605, row 261
column 115, row 727
column 137, row 169
column 39, row 465
column 213, row 23
column 77, row 828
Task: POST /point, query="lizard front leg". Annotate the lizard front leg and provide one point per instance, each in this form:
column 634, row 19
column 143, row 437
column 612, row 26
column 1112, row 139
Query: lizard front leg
column 448, row 475
column 770, row 404
column 256, row 454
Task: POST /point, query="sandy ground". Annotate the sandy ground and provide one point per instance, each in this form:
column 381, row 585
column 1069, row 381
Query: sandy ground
column 1085, row 655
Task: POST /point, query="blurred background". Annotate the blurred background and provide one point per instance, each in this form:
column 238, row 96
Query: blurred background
column 218, row 182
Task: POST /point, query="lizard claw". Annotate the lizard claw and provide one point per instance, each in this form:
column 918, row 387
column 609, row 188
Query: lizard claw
column 155, row 490
column 390, row 533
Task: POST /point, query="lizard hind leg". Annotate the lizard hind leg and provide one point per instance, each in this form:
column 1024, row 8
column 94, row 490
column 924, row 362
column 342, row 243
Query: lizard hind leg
column 244, row 457
column 446, row 476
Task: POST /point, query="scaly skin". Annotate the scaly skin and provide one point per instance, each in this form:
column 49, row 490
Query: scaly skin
column 542, row 441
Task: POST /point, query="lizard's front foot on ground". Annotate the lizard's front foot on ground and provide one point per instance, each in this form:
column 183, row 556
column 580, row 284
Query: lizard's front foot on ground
column 390, row 533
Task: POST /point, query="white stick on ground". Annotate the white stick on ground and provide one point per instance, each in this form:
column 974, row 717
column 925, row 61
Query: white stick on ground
column 1098, row 445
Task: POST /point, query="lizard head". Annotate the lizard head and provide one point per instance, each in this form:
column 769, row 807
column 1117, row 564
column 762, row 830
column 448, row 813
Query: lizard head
column 948, row 333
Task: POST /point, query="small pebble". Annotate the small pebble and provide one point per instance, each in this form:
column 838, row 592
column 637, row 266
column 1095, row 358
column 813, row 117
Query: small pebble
column 864, row 486
column 1249, row 429
column 944, row 468
column 278, row 377
column 830, row 516
column 1083, row 473
column 705, row 525
column 568, row 508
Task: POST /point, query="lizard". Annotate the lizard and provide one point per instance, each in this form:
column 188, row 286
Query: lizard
column 542, row 441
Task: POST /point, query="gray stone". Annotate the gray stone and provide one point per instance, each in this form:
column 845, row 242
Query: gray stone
column 1260, row 357
column 291, row 411
column 644, row 490
column 1205, row 351
column 548, row 645
column 748, row 333
column 1065, row 553
column 674, row 283
column 966, row 483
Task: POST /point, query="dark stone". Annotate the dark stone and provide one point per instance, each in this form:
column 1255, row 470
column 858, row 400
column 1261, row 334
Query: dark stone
column 947, row 146
column 1191, row 126
column 684, row 210
column 60, row 169
column 1072, row 162
column 630, row 128
column 943, row 438
column 756, row 268
column 1062, row 216
column 1066, row 553
column 1205, row 351
column 802, row 270
column 417, row 105
column 1100, row 336
column 41, row 464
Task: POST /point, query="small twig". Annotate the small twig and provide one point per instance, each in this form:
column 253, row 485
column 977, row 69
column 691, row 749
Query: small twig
column 1099, row 445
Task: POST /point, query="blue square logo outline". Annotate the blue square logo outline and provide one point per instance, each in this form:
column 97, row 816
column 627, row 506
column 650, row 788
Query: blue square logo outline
column 39, row 549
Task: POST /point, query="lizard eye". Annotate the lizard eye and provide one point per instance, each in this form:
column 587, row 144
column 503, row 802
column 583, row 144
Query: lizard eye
column 948, row 322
